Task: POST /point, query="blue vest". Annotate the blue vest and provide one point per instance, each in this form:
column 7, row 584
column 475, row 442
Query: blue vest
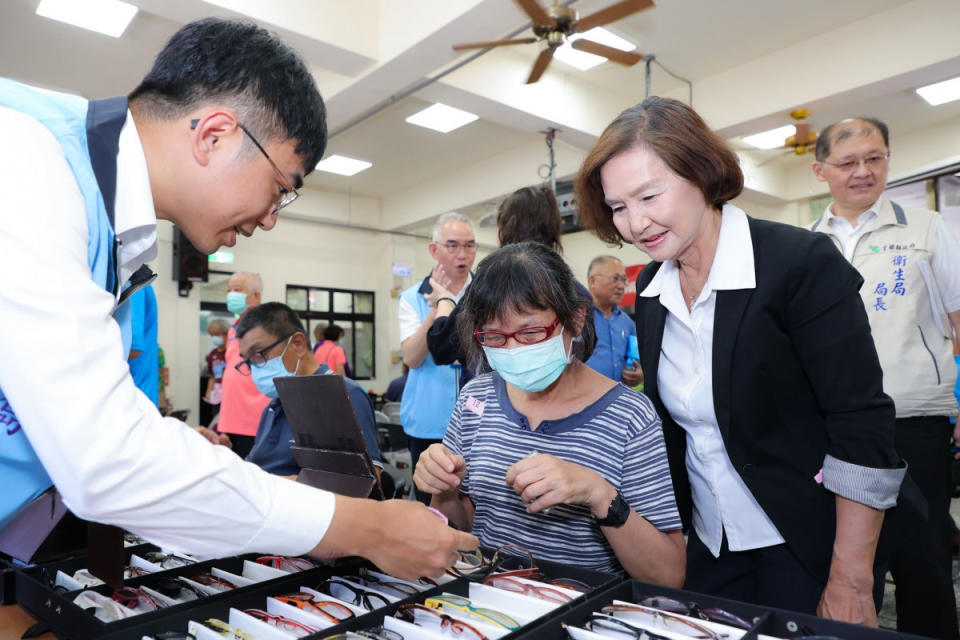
column 88, row 133
column 430, row 394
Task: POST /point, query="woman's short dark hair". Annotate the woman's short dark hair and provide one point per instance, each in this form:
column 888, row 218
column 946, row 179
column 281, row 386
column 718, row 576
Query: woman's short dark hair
column 333, row 332
column 530, row 213
column 679, row 137
column 523, row 277
column 246, row 67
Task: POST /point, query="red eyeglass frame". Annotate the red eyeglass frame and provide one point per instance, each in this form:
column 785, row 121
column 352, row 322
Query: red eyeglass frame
column 506, row 336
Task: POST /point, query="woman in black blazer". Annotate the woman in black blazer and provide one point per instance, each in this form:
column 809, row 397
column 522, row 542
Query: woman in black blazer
column 758, row 356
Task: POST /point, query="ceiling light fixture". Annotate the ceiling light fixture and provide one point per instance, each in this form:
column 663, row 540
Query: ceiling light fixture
column 582, row 60
column 941, row 92
column 109, row 17
column 770, row 139
column 342, row 165
column 442, row 118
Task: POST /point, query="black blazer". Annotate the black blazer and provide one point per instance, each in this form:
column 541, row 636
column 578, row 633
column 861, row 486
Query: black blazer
column 795, row 377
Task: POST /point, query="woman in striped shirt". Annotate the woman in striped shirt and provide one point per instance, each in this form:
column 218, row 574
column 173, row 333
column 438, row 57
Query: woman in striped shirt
column 542, row 451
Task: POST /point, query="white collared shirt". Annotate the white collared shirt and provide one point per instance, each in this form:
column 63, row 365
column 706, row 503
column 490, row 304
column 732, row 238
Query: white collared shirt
column 63, row 370
column 847, row 234
column 721, row 500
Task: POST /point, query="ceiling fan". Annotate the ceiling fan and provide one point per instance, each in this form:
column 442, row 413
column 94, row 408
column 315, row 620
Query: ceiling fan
column 557, row 23
column 802, row 141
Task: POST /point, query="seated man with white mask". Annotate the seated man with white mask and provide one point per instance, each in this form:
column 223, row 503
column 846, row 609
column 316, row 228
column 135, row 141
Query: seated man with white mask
column 273, row 343
column 543, row 451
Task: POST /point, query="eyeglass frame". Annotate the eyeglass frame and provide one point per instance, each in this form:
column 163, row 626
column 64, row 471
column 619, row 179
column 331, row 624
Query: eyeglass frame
column 513, row 334
column 302, row 600
column 616, row 277
column 126, row 595
column 662, row 618
column 452, row 246
column 250, row 363
column 400, row 587
column 467, row 607
column 285, row 190
column 276, row 562
column 445, row 619
column 378, row 632
column 361, row 597
column 639, row 633
column 542, row 593
column 868, row 162
column 696, row 611
column 272, row 619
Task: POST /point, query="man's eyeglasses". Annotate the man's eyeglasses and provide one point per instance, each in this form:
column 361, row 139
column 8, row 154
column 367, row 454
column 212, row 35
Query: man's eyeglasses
column 259, row 358
column 872, row 161
column 527, row 335
column 452, row 247
column 288, row 193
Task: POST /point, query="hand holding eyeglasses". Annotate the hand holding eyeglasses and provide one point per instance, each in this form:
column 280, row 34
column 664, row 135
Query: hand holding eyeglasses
column 439, row 470
column 401, row 537
column 543, row 481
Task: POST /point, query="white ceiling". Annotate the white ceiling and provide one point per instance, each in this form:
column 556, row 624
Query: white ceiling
column 750, row 61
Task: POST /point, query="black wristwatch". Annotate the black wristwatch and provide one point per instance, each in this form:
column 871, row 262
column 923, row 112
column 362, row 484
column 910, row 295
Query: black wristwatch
column 617, row 514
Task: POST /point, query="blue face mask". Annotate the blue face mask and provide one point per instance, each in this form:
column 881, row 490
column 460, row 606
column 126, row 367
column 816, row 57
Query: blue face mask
column 264, row 374
column 217, row 341
column 530, row 367
column 236, row 302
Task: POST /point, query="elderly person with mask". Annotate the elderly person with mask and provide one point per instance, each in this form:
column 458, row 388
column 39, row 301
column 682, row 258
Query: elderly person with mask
column 543, row 451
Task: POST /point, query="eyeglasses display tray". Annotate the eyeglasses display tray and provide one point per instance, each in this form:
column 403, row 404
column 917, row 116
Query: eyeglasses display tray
column 270, row 603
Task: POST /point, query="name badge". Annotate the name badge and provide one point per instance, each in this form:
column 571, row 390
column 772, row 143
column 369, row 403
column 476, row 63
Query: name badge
column 475, row 405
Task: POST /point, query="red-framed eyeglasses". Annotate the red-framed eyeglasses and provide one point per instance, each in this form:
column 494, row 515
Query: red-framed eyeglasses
column 527, row 335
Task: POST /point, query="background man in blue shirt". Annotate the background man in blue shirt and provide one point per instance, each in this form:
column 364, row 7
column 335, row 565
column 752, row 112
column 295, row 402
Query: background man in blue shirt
column 607, row 279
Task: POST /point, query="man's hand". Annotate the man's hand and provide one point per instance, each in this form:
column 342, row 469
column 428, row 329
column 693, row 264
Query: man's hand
column 214, row 437
column 439, row 471
column 401, row 537
column 439, row 282
column 632, row 376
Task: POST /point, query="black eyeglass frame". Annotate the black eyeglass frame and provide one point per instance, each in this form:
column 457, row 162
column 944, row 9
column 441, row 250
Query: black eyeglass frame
column 287, row 193
column 259, row 358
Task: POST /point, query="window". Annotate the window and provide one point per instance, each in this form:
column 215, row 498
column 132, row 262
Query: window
column 352, row 310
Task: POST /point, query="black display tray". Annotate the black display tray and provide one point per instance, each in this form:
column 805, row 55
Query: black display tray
column 599, row 581
column 768, row 621
column 8, row 576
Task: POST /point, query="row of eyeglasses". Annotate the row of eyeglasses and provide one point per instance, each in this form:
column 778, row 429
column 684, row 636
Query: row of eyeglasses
column 506, row 592
column 659, row 618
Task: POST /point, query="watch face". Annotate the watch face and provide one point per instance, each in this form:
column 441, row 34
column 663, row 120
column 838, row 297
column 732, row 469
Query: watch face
column 618, row 512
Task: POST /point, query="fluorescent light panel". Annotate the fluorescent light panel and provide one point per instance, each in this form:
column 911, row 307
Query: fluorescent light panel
column 583, row 60
column 442, row 118
column 109, row 17
column 941, row 92
column 342, row 165
column 770, row 139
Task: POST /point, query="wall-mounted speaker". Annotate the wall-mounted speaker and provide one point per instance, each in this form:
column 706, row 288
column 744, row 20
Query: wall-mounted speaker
column 189, row 263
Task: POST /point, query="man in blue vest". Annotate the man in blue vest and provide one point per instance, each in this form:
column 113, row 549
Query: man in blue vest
column 607, row 281
column 430, row 393
column 216, row 139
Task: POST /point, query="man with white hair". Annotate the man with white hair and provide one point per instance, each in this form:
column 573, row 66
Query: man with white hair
column 242, row 403
column 431, row 390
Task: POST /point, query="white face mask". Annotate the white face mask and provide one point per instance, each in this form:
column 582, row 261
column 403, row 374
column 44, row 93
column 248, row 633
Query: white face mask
column 531, row 367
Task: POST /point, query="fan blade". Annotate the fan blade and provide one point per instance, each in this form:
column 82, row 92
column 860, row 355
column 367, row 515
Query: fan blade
column 611, row 14
column 533, row 9
column 540, row 65
column 628, row 58
column 492, row 43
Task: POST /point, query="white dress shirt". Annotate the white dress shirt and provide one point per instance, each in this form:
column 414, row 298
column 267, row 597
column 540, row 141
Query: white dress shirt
column 722, row 503
column 62, row 368
column 945, row 261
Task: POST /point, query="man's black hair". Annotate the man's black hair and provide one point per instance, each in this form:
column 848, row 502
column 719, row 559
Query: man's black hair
column 523, row 277
column 845, row 129
column 248, row 68
column 274, row 318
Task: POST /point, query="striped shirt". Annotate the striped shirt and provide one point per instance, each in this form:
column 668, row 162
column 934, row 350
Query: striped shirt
column 618, row 436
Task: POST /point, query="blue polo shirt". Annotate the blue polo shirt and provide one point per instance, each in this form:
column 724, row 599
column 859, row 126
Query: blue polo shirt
column 271, row 448
column 612, row 341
